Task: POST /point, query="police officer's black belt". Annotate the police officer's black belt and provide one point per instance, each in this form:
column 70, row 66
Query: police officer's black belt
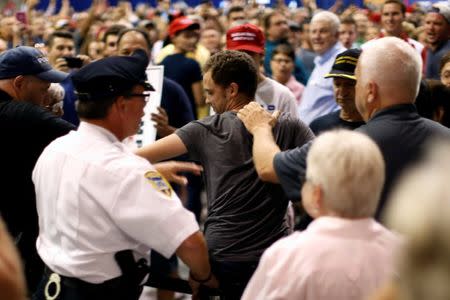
column 78, row 283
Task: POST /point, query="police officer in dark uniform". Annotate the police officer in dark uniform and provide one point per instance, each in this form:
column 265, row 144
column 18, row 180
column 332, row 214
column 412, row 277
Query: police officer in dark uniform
column 26, row 129
column 102, row 208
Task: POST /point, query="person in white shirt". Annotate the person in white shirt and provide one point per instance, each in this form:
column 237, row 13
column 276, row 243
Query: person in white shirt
column 344, row 254
column 95, row 198
column 270, row 94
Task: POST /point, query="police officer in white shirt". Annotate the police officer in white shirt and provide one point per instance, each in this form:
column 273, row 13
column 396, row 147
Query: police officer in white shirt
column 95, row 198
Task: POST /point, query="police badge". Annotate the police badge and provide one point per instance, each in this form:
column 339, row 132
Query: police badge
column 159, row 182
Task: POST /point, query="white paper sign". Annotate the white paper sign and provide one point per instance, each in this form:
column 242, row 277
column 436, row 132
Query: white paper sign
column 147, row 130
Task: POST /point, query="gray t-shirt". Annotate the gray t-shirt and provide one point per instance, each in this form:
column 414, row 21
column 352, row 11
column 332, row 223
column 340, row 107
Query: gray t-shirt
column 245, row 214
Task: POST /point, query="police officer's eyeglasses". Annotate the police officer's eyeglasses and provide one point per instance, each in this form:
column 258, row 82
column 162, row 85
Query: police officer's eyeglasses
column 144, row 96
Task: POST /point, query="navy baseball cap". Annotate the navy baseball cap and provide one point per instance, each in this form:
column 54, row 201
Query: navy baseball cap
column 25, row 60
column 111, row 76
column 345, row 64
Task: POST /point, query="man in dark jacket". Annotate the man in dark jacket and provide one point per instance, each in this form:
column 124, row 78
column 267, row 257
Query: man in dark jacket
column 26, row 129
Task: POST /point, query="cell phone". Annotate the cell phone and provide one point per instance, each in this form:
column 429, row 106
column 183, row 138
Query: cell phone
column 73, row 62
column 21, row 16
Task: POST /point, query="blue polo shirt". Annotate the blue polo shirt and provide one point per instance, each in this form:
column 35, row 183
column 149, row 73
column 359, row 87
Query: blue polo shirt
column 433, row 60
column 318, row 96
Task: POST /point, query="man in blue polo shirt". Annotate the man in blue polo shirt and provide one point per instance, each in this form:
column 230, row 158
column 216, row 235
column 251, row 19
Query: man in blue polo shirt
column 318, row 97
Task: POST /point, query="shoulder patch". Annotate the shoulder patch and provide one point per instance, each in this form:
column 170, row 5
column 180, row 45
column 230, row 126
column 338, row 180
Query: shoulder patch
column 158, row 182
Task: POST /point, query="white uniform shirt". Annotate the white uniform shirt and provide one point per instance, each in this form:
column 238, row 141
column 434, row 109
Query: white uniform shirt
column 272, row 95
column 333, row 258
column 94, row 198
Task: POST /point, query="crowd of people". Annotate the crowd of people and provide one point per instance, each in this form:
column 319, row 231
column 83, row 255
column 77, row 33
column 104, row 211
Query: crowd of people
column 299, row 125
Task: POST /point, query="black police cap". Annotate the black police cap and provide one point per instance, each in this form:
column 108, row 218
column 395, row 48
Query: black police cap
column 111, row 76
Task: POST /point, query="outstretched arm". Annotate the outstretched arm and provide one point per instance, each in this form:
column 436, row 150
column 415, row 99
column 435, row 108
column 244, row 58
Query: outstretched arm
column 171, row 170
column 165, row 148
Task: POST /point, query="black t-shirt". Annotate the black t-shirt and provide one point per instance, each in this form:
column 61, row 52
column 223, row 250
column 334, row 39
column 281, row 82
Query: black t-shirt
column 185, row 71
column 25, row 130
column 331, row 121
column 245, row 214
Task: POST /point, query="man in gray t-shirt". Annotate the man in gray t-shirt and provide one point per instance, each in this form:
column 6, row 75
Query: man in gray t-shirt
column 245, row 214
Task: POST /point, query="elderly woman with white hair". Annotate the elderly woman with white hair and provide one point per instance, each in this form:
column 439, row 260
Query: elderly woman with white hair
column 344, row 253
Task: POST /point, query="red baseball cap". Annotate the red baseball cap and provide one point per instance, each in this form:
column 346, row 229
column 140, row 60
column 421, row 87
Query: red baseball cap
column 180, row 24
column 246, row 37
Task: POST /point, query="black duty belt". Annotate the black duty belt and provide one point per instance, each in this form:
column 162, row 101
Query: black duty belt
column 114, row 287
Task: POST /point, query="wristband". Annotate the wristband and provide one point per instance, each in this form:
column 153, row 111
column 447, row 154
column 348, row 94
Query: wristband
column 201, row 280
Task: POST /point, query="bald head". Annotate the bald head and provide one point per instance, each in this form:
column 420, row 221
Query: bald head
column 388, row 73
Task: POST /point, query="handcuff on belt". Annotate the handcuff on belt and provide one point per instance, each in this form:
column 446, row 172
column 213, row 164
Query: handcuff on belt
column 56, row 280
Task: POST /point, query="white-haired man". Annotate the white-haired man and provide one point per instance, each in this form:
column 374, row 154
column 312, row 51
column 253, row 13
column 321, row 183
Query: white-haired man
column 331, row 258
column 318, row 97
column 388, row 75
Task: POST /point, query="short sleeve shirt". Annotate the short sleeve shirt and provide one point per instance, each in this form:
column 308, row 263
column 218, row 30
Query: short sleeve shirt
column 331, row 121
column 245, row 214
column 95, row 198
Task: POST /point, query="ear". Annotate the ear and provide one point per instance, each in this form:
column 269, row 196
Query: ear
column 336, row 35
column 372, row 92
column 317, row 201
column 19, row 82
column 233, row 89
column 121, row 105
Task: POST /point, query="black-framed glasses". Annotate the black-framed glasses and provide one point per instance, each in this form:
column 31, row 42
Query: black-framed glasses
column 144, row 96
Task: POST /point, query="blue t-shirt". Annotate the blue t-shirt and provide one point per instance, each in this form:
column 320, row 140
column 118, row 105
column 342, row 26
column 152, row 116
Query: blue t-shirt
column 185, row 71
column 70, row 113
column 176, row 103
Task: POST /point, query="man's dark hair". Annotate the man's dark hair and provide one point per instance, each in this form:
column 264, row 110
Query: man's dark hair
column 59, row 34
column 285, row 49
column 113, row 30
column 230, row 66
column 348, row 21
column 268, row 18
column 444, row 60
column 398, row 2
column 433, row 98
column 233, row 9
column 98, row 108
column 138, row 30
